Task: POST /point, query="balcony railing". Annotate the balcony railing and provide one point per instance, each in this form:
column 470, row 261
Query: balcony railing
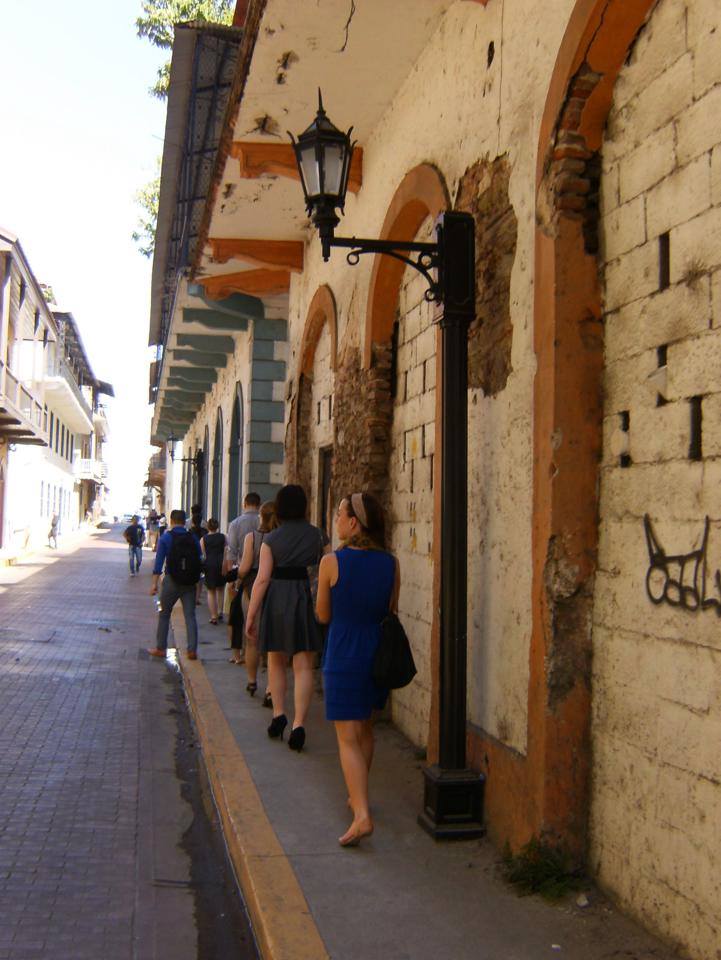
column 87, row 469
column 20, row 399
column 59, row 370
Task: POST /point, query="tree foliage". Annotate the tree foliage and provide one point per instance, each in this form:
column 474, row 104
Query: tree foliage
column 160, row 16
column 147, row 199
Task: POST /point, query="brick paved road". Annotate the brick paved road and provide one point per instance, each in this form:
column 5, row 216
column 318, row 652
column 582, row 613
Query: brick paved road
column 81, row 873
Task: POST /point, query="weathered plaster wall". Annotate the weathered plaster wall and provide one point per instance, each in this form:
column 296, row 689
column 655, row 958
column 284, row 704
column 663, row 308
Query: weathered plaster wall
column 656, row 813
column 320, row 418
column 477, row 103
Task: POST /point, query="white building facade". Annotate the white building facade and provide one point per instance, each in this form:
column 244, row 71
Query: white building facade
column 52, row 424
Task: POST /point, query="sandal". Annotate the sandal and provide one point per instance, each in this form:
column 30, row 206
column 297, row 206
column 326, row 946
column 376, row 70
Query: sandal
column 268, row 701
column 213, row 621
column 251, row 687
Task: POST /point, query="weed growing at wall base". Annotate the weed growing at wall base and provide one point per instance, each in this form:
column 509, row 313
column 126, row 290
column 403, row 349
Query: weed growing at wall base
column 541, row 868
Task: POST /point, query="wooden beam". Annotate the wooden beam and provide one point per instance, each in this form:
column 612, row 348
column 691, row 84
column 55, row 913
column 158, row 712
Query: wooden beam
column 258, row 158
column 261, row 253
column 257, row 282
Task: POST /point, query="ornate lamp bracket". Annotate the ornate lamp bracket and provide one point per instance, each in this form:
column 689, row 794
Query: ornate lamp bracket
column 427, row 258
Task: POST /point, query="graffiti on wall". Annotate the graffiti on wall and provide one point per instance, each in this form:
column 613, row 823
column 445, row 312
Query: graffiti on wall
column 680, row 579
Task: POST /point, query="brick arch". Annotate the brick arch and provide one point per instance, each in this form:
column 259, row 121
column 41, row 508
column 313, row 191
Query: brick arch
column 421, row 194
column 547, row 792
column 322, row 310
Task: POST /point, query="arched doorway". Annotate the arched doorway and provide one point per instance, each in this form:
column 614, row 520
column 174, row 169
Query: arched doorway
column 310, row 449
column 235, row 452
column 201, row 475
column 217, row 466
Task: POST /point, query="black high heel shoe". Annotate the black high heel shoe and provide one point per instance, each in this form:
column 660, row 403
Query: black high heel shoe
column 251, row 687
column 268, row 701
column 297, row 739
column 277, row 726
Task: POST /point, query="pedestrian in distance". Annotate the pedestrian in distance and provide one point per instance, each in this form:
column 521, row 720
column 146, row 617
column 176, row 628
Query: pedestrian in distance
column 199, row 531
column 281, row 613
column 179, row 552
column 135, row 538
column 238, row 529
column 153, row 529
column 242, row 525
column 246, row 575
column 357, row 586
column 53, row 532
column 212, row 545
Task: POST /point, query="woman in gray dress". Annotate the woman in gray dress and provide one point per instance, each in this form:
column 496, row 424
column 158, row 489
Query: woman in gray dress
column 281, row 609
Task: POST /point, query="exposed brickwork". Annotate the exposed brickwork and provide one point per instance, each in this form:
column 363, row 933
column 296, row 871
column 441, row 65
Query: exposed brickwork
column 363, row 414
column 573, row 171
column 483, row 191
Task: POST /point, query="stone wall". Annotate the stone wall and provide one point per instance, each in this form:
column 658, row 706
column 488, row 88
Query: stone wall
column 656, row 813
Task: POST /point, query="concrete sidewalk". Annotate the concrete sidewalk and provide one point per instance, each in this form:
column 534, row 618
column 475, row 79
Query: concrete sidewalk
column 400, row 895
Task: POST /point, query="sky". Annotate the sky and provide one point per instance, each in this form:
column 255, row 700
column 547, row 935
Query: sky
column 80, row 135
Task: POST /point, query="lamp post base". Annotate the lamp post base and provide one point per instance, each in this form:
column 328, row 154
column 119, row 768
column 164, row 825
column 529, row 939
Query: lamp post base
column 452, row 804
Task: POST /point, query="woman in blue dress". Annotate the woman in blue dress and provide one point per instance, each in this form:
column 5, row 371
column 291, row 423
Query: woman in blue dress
column 357, row 586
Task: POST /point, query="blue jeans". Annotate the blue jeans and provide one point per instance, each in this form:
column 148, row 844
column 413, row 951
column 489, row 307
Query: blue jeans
column 170, row 593
column 136, row 558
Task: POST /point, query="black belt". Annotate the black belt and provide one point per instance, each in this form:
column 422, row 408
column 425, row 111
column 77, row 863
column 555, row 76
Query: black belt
column 290, row 573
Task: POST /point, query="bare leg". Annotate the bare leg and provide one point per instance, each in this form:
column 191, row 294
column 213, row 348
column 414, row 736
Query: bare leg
column 355, row 771
column 212, row 605
column 303, row 676
column 277, row 666
column 251, row 659
column 367, row 744
column 367, row 741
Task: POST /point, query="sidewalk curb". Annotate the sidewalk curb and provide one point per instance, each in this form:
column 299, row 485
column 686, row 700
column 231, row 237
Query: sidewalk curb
column 282, row 922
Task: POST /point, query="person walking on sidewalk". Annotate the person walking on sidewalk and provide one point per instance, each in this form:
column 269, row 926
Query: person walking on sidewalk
column 246, row 574
column 53, row 532
column 281, row 609
column 179, row 551
column 153, row 529
column 135, row 538
column 212, row 545
column 198, row 530
column 238, row 530
column 357, row 586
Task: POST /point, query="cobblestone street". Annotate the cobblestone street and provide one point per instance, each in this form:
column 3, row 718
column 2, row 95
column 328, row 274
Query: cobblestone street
column 91, row 813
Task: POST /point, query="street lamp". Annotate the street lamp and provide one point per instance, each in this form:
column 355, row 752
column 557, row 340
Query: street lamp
column 171, row 441
column 453, row 795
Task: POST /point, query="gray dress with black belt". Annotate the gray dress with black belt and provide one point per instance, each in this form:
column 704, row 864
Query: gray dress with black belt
column 287, row 621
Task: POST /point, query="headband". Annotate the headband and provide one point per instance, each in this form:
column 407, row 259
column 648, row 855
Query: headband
column 359, row 509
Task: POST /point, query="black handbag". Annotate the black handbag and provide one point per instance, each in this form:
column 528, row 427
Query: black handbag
column 393, row 665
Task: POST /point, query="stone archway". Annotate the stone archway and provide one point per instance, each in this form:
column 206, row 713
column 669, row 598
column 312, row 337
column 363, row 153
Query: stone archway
column 547, row 791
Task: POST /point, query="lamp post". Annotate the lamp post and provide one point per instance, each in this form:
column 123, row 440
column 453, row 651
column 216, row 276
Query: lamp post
column 171, row 441
column 453, row 795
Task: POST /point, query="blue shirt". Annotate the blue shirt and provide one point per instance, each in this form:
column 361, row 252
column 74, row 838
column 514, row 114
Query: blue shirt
column 164, row 544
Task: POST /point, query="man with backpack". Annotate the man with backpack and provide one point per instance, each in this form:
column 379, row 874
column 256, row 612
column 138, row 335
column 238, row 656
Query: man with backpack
column 179, row 551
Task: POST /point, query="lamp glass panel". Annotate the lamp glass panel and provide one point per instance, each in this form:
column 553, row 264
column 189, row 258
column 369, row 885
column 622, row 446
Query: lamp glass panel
column 333, row 169
column 310, row 170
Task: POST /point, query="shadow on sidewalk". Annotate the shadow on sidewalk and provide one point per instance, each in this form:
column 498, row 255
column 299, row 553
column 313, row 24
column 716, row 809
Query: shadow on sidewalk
column 400, row 894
